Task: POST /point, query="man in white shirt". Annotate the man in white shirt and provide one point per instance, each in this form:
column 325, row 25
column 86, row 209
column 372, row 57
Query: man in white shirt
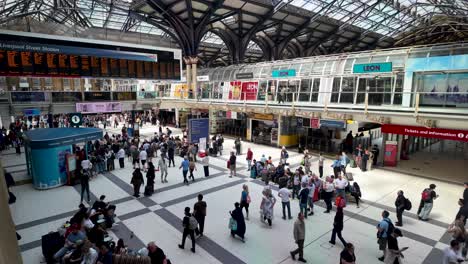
column 284, row 194
column 86, row 165
column 305, row 179
column 121, row 157
column 340, row 185
column 452, row 254
column 143, row 156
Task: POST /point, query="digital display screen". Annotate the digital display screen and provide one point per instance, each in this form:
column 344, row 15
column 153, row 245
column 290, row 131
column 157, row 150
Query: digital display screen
column 41, row 56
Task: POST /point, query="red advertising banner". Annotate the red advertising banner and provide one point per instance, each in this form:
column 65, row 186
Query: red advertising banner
column 315, row 123
column 235, row 91
column 441, row 133
column 249, row 91
column 390, row 154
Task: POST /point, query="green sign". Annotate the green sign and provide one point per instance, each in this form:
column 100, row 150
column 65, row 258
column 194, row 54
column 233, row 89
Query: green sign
column 75, row 119
column 284, row 73
column 372, row 67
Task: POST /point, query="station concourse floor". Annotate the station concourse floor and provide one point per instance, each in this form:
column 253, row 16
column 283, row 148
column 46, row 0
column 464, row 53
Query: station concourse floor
column 158, row 218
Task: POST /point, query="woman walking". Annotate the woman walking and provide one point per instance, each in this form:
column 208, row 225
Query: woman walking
column 239, row 227
column 267, row 205
column 149, row 189
column 192, row 167
column 245, row 200
column 206, row 164
column 338, row 227
column 137, row 181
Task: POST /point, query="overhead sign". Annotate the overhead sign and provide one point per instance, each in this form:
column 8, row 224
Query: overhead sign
column 263, row 116
column 203, row 78
column 283, row 73
column 197, row 129
column 31, row 112
column 415, row 131
column 332, row 123
column 244, row 75
column 372, row 67
column 75, row 119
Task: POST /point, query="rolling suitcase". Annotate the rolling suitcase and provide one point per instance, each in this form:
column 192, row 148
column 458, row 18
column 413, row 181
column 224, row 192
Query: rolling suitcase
column 51, row 243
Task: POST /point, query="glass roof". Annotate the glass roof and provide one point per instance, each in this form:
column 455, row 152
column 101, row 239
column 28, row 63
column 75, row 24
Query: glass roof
column 387, row 17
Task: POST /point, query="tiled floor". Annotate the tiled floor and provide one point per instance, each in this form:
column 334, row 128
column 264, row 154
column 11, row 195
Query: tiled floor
column 158, row 218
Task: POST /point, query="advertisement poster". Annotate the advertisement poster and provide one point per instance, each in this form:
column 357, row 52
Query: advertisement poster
column 235, row 91
column 104, row 107
column 197, row 129
column 249, row 91
column 391, row 151
column 315, row 123
column 180, row 90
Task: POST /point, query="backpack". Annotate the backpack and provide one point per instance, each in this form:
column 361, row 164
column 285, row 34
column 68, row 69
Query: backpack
column 390, row 229
column 426, row 195
column 193, row 224
column 286, row 155
column 408, row 204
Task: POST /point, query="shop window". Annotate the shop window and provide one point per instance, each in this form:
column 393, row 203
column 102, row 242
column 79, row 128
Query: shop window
column 348, row 86
column 304, row 92
column 317, row 69
column 315, row 90
column 335, row 90
column 262, row 88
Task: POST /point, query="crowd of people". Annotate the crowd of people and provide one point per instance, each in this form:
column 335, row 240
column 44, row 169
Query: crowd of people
column 85, row 234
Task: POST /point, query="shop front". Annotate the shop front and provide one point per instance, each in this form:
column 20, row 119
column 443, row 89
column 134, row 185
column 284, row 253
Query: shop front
column 320, row 135
column 263, row 129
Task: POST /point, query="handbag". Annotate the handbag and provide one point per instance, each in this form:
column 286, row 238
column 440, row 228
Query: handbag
column 232, row 224
column 248, row 199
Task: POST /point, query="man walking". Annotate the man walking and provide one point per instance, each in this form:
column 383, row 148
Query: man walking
column 84, row 180
column 299, row 237
column 336, row 166
column 199, row 211
column 384, row 228
column 185, row 167
column 232, row 165
column 121, row 157
column 340, row 186
column 190, row 224
column 428, row 197
column 394, row 253
column 285, row 194
column 303, row 198
column 400, row 205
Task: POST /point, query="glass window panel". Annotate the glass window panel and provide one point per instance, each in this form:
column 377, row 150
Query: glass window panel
column 318, row 67
column 349, row 65
column 347, row 90
column 304, row 94
column 361, row 92
column 305, row 69
column 335, row 90
column 315, row 89
column 397, row 95
column 262, row 88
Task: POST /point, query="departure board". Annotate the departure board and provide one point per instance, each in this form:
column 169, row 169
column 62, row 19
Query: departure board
column 155, row 71
column 27, row 62
column 114, row 67
column 63, row 64
column 95, row 69
column 139, row 69
column 104, row 67
column 25, row 54
column 131, row 68
column 162, row 70
column 14, row 61
column 85, row 66
column 52, row 64
column 40, row 65
column 3, row 62
column 74, row 61
column 123, row 69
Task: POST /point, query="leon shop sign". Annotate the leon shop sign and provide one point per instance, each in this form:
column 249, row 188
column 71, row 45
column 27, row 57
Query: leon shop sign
column 441, row 133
